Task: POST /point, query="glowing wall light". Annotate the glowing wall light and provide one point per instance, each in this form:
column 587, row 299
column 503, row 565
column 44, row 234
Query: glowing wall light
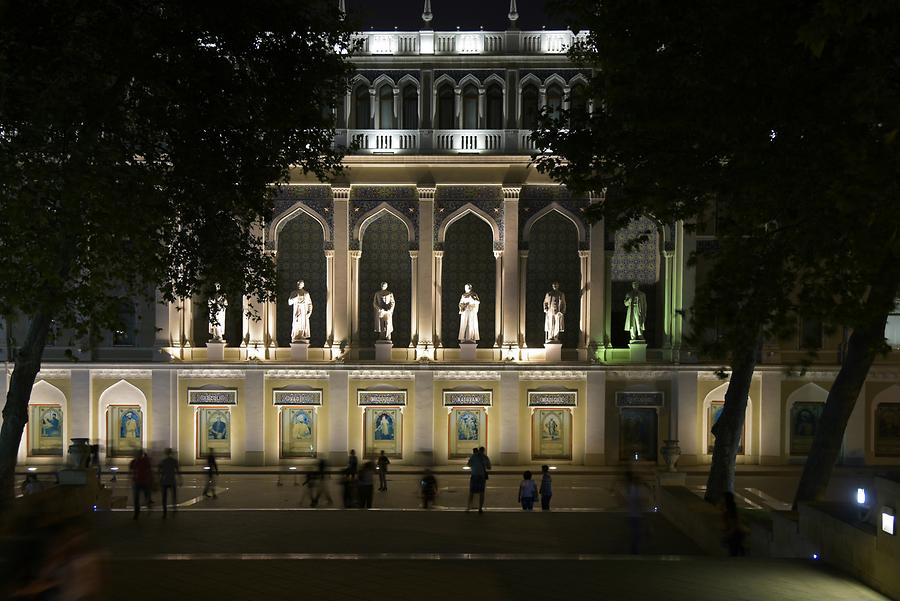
column 887, row 520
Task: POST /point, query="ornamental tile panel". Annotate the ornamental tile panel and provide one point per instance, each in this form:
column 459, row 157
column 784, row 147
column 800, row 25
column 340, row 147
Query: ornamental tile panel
column 640, row 264
column 562, row 398
column 467, row 398
column 212, row 397
column 370, row 398
column 296, row 397
column 640, row 399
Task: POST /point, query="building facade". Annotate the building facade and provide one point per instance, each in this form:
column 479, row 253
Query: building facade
column 440, row 193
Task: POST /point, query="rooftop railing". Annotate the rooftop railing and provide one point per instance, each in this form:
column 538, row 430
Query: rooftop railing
column 400, row 43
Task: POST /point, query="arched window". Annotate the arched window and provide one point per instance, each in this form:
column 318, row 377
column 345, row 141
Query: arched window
column 494, row 107
column 554, row 100
column 578, row 106
column 386, row 107
column 530, row 108
column 470, row 107
column 445, row 107
column 410, row 114
column 362, row 108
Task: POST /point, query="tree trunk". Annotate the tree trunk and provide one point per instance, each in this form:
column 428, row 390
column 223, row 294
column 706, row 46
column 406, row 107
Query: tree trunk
column 864, row 344
column 730, row 425
column 15, row 412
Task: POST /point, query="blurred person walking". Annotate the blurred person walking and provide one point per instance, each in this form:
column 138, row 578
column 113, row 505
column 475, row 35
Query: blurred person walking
column 212, row 472
column 382, row 465
column 366, row 485
column 352, row 464
column 141, row 480
column 169, row 474
column 477, row 478
column 527, row 491
column 321, row 485
column 546, row 489
column 428, row 486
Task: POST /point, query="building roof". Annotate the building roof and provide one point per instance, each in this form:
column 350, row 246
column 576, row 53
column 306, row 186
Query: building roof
column 467, row 15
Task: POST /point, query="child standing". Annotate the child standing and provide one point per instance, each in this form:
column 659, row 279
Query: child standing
column 546, row 488
column 527, row 491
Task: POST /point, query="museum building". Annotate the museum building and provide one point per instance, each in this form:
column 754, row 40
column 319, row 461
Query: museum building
column 452, row 297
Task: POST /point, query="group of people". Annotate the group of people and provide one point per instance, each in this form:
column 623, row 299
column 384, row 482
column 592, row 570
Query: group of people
column 169, row 474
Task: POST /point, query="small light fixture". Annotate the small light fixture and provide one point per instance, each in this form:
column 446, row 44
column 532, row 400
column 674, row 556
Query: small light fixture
column 206, row 467
column 887, row 520
column 114, row 469
column 815, row 556
column 860, row 496
column 32, row 469
column 293, row 468
column 466, row 467
column 552, row 467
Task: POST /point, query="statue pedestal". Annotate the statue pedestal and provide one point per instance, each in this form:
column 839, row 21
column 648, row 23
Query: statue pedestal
column 552, row 352
column 467, row 350
column 638, row 350
column 300, row 351
column 383, row 350
column 215, row 351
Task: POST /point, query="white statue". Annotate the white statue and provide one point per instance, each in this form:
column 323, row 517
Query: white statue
column 217, row 313
column 303, row 308
column 554, row 313
column 468, row 315
column 383, row 303
column 635, row 319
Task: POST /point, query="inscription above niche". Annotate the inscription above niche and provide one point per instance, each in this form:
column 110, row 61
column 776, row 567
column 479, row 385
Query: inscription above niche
column 640, row 264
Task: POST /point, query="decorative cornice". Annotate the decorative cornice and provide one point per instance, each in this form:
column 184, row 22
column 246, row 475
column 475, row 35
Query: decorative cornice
column 553, row 375
column 340, row 193
column 121, row 373
column 373, row 374
column 426, row 193
column 218, row 374
column 297, row 374
column 640, row 375
column 512, row 193
column 56, row 374
column 467, row 375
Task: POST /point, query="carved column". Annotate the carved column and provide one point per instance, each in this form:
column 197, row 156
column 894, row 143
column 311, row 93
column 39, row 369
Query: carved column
column 523, row 280
column 426, row 284
column 512, row 295
column 498, row 304
column 597, row 288
column 457, row 106
column 585, row 299
column 373, row 108
column 396, row 108
column 329, row 298
column 669, row 292
column 414, row 301
column 482, row 116
column 438, row 269
column 271, row 329
column 341, row 285
column 354, row 296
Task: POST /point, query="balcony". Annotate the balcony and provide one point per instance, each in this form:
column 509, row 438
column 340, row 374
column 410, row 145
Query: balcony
column 438, row 141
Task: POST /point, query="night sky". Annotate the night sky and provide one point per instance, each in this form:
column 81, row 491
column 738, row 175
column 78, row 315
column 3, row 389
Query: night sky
column 450, row 14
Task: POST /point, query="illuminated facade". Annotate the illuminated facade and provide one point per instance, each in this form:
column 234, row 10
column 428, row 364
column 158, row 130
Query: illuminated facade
column 441, row 193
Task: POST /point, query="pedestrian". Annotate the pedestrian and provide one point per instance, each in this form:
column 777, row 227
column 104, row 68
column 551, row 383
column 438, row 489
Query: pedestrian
column 322, row 485
column 428, row 486
column 477, row 479
column 546, row 489
column 734, row 531
column 382, row 466
column 366, row 484
column 352, row 464
column 169, row 475
column 634, row 501
column 527, row 491
column 212, row 471
column 141, row 480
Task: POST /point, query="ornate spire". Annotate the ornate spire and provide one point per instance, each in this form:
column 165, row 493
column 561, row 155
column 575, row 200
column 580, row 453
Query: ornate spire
column 426, row 14
column 513, row 13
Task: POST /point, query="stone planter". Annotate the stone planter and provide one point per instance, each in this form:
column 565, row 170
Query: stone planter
column 671, row 452
column 79, row 453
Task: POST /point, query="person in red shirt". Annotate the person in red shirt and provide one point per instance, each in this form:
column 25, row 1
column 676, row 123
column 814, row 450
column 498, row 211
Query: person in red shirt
column 141, row 479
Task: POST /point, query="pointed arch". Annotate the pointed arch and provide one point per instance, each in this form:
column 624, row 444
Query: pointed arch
column 578, row 78
column 360, row 79
column 717, row 395
column 121, row 393
column 408, row 79
column 45, row 393
column 382, row 80
column 298, row 207
column 554, row 207
column 467, row 79
column 811, row 394
column 359, row 229
column 462, row 212
column 494, row 78
column 444, row 79
column 530, row 78
column 557, row 79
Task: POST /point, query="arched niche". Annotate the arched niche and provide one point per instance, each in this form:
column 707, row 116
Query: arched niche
column 712, row 405
column 234, row 320
column 301, row 255
column 642, row 265
column 46, row 429
column 553, row 242
column 803, row 410
column 884, row 433
column 468, row 242
column 384, row 242
column 122, row 394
